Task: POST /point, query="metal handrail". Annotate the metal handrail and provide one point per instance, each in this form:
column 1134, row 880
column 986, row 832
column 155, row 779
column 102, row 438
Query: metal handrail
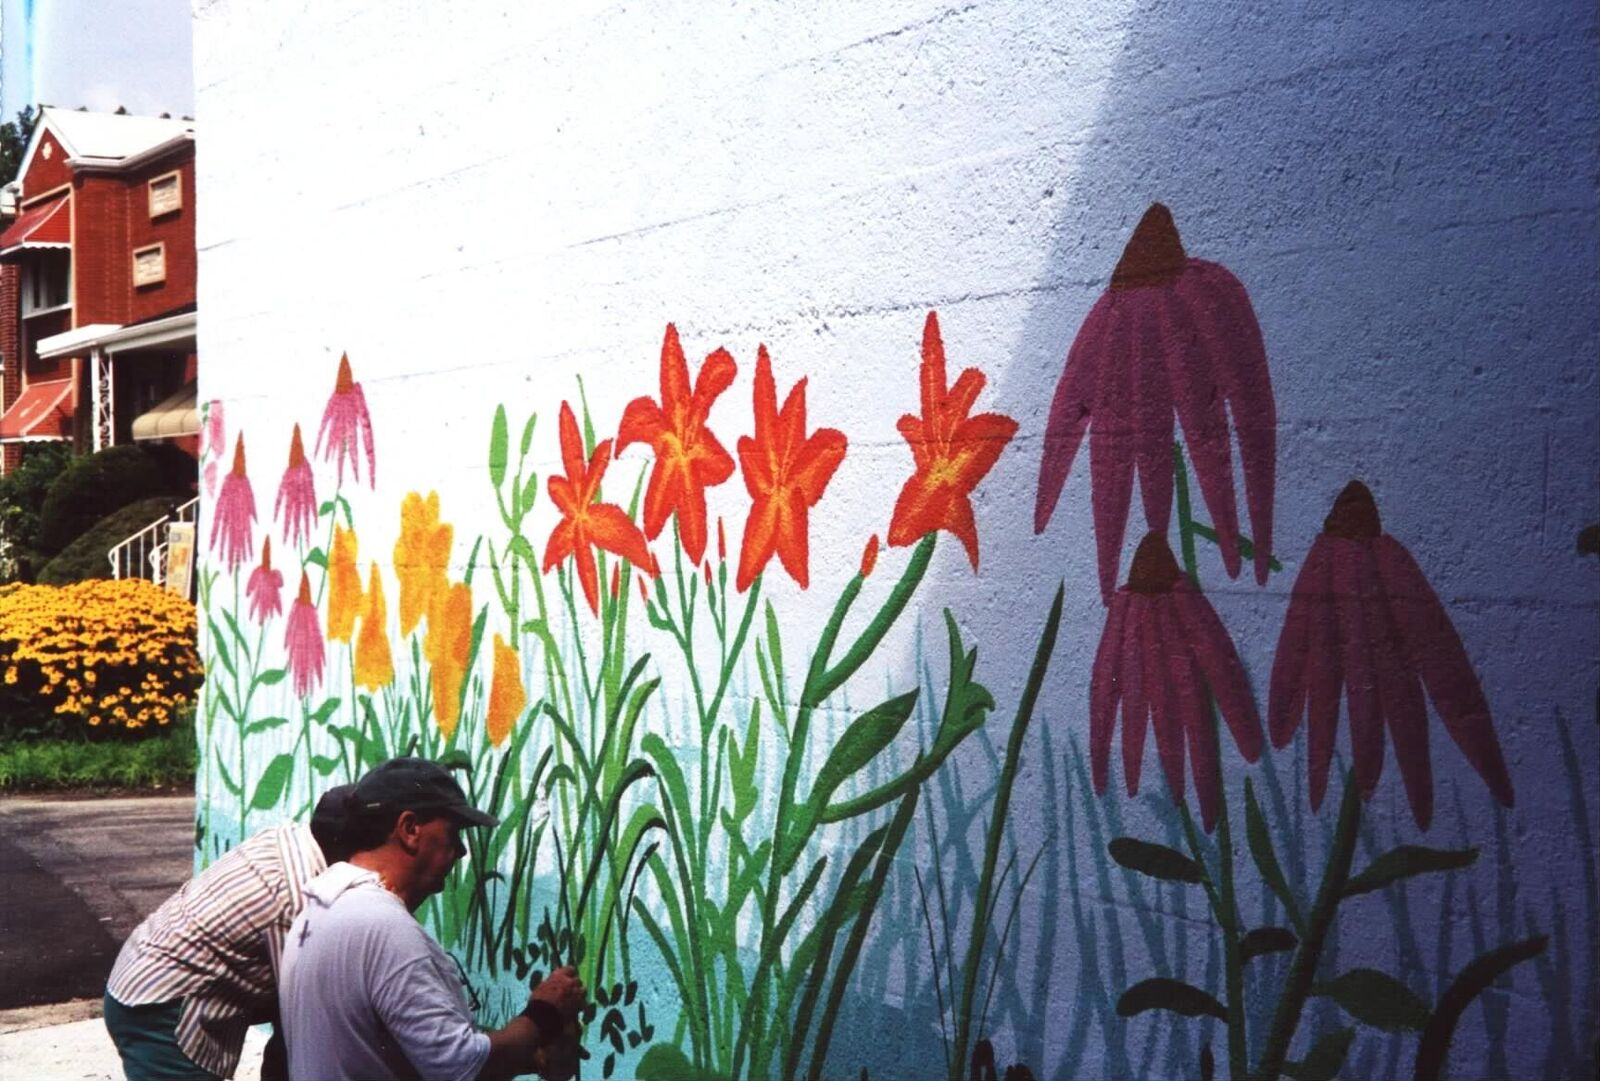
column 140, row 555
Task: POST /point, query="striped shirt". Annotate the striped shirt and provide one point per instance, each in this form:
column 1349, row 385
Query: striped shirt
column 217, row 943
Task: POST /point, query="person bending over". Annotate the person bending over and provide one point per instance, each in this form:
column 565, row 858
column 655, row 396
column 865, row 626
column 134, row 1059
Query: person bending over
column 366, row 992
column 203, row 967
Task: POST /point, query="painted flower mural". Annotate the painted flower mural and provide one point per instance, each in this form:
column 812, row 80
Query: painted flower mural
column 1364, row 623
column 688, row 457
column 952, row 448
column 1162, row 649
column 1173, row 334
column 586, row 524
column 296, row 505
column 303, row 641
column 346, row 429
column 785, row 471
column 265, row 587
column 698, row 790
column 235, row 514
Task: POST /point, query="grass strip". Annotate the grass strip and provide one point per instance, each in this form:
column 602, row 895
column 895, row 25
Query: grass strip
column 163, row 760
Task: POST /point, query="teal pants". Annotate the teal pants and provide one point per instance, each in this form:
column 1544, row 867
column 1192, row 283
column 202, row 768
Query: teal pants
column 146, row 1038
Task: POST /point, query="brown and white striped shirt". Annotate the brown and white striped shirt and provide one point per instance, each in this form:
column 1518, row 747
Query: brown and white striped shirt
column 217, row 942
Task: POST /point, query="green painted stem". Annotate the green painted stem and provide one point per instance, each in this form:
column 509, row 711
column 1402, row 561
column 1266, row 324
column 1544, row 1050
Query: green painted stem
column 821, row 681
column 1226, row 902
column 997, row 823
column 1303, row 969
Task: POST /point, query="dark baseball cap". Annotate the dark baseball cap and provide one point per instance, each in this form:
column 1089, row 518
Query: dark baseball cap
column 415, row 784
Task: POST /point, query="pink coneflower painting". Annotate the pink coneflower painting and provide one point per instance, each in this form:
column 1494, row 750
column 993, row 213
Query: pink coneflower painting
column 304, row 641
column 1172, row 335
column 345, row 424
column 265, row 588
column 297, row 497
column 212, row 431
column 235, row 512
column 1162, row 656
column 1364, row 623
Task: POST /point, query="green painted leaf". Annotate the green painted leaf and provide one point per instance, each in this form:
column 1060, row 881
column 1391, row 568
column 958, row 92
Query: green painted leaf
column 527, row 433
column 530, row 493
column 1157, row 861
column 1266, row 940
column 664, row 1062
column 497, row 447
column 317, row 558
column 1375, row 998
column 863, row 741
column 220, row 645
column 323, row 764
column 1173, row 995
column 271, row 677
column 1326, row 1057
column 1406, row 861
column 967, row 703
column 457, row 759
column 265, row 724
column 274, row 780
column 324, row 711
column 1260, row 839
column 227, row 778
column 326, row 509
column 742, row 766
column 1478, row 976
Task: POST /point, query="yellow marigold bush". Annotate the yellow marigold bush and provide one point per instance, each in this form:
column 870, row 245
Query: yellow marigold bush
column 97, row 655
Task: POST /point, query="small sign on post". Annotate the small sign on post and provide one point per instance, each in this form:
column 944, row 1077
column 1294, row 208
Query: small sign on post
column 180, row 557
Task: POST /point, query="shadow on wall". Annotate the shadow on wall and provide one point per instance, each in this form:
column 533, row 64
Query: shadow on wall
column 1370, row 180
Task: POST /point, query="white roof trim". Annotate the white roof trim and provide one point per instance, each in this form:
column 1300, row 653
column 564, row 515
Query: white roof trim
column 113, row 338
column 70, row 343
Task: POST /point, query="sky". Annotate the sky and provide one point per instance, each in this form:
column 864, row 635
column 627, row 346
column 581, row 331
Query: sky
column 135, row 53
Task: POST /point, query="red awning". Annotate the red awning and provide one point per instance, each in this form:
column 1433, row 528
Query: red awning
column 43, row 412
column 47, row 225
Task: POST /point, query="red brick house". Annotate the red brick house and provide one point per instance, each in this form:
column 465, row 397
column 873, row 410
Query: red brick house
column 97, row 284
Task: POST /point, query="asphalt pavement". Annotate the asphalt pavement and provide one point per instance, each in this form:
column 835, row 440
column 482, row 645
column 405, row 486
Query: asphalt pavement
column 76, row 876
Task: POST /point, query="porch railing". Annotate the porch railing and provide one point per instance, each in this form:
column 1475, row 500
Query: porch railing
column 144, row 555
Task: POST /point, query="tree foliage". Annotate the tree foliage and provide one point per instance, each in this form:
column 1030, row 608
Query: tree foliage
column 14, row 136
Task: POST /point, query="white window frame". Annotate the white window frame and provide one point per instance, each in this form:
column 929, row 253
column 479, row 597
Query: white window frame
column 176, row 176
column 159, row 247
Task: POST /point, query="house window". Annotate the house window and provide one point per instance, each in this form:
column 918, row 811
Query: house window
column 46, row 282
column 149, row 265
column 166, row 194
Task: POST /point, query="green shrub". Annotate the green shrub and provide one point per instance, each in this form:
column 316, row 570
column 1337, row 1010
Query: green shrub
column 22, row 495
column 93, row 486
column 86, row 557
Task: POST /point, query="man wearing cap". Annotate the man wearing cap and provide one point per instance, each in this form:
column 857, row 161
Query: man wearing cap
column 203, row 967
column 365, row 991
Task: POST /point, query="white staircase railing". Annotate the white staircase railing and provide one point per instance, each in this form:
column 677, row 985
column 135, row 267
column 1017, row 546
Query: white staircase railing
column 143, row 555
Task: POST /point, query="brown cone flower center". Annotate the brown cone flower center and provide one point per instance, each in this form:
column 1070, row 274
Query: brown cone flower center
column 297, row 450
column 1354, row 515
column 266, row 553
column 238, row 456
column 1154, row 569
column 1154, row 254
column 345, row 381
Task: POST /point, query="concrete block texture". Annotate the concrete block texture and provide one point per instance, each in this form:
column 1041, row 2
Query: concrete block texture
column 744, row 302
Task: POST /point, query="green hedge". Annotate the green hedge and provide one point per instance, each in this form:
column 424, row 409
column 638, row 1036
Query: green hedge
column 95, row 485
column 86, row 557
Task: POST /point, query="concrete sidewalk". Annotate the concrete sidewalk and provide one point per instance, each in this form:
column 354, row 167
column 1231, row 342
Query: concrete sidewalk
column 68, row 1041
column 79, row 875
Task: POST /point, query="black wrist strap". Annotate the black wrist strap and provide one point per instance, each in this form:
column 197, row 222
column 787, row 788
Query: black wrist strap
column 546, row 1017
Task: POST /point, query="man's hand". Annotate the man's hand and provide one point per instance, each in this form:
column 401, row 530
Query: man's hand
column 558, row 1059
column 563, row 990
